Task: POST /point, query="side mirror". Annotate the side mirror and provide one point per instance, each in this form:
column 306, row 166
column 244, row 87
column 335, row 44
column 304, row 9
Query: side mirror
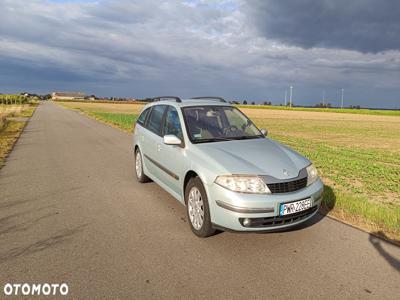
column 264, row 132
column 171, row 139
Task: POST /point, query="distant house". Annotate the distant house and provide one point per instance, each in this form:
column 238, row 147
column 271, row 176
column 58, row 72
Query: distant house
column 67, row 96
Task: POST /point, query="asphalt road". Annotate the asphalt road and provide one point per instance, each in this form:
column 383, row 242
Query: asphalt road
column 71, row 211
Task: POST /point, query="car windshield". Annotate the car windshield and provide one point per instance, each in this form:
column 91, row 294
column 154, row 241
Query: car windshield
column 218, row 123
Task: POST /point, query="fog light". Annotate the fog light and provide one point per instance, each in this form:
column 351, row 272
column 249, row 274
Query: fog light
column 246, row 222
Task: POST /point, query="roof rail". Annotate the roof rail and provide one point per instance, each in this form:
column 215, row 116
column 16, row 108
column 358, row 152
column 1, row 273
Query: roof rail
column 160, row 98
column 210, row 97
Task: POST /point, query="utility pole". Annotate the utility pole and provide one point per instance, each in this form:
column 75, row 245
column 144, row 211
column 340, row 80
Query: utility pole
column 285, row 97
column 342, row 99
column 323, row 98
column 290, row 96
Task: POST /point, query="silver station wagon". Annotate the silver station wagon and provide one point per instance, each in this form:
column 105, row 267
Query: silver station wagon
column 230, row 176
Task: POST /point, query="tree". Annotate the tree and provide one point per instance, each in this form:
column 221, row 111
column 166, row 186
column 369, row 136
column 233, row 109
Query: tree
column 323, row 105
column 245, row 102
column 253, row 103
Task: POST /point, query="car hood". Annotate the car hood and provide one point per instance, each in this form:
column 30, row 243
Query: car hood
column 254, row 156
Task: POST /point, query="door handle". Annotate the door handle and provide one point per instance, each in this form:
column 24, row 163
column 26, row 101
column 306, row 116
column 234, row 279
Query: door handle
column 159, row 147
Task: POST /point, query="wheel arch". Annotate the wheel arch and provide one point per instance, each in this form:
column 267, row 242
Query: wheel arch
column 189, row 174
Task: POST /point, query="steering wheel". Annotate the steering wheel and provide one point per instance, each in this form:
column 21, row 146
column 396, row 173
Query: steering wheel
column 231, row 128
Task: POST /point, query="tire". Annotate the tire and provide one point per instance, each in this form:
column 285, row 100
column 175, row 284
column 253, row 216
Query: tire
column 197, row 208
column 140, row 176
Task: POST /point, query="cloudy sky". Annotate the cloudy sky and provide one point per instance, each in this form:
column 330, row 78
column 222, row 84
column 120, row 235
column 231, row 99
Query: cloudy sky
column 239, row 49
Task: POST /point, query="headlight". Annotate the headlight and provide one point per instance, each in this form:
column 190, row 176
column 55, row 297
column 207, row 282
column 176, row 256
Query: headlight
column 243, row 184
column 312, row 174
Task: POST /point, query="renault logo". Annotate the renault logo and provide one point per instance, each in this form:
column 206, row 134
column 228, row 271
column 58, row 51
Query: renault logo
column 285, row 172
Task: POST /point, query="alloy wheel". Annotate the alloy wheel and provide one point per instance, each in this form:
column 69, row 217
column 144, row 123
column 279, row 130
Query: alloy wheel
column 196, row 208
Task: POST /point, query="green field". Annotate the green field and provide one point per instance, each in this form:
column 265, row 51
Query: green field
column 357, row 155
column 123, row 121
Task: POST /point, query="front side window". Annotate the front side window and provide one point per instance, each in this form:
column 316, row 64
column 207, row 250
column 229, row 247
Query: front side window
column 155, row 119
column 172, row 123
column 142, row 117
column 218, row 123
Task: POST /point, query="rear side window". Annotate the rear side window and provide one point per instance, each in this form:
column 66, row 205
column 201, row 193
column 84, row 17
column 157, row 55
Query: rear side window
column 142, row 117
column 155, row 119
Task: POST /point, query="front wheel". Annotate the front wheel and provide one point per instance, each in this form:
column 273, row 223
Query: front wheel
column 197, row 208
column 141, row 177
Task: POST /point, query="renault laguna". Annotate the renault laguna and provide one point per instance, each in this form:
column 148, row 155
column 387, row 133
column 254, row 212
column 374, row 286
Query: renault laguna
column 229, row 174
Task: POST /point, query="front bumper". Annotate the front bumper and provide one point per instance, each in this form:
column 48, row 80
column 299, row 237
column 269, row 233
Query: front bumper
column 228, row 209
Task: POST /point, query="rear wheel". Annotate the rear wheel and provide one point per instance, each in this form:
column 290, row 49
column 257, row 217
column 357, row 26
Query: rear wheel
column 141, row 177
column 197, row 208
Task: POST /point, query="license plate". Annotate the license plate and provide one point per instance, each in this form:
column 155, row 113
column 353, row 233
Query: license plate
column 294, row 207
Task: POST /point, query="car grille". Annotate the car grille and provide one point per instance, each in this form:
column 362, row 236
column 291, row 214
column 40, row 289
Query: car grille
column 279, row 220
column 287, row 186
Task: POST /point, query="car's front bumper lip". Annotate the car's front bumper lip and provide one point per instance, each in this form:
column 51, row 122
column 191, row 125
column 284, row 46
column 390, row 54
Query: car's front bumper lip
column 265, row 229
column 227, row 208
column 244, row 210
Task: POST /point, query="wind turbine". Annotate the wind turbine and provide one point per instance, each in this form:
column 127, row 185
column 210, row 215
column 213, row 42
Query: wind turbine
column 341, row 106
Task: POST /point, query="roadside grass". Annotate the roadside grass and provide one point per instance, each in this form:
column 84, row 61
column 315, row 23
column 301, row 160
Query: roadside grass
column 12, row 128
column 363, row 111
column 366, row 183
column 358, row 157
column 122, row 121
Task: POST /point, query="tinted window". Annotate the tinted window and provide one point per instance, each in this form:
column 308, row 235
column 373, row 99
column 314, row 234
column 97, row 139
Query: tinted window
column 142, row 117
column 155, row 119
column 172, row 123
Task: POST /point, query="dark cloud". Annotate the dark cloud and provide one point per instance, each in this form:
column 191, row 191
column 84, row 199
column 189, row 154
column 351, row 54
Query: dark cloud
column 136, row 48
column 362, row 25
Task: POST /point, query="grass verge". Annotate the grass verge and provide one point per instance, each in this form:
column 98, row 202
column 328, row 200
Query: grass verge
column 122, row 121
column 12, row 129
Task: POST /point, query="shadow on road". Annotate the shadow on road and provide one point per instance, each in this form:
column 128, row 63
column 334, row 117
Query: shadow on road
column 377, row 243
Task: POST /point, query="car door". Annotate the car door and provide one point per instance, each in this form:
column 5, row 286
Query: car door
column 152, row 138
column 172, row 157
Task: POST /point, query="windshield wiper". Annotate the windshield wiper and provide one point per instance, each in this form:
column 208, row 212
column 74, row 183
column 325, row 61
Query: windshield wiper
column 248, row 137
column 233, row 138
column 218, row 139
